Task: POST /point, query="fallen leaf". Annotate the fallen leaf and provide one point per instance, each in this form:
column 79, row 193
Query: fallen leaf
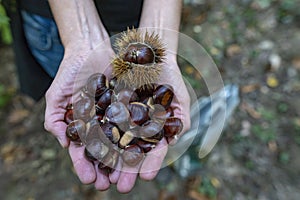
column 251, row 111
column 215, row 182
column 296, row 63
column 18, row 116
column 273, row 146
column 196, row 195
column 250, row 88
column 272, row 81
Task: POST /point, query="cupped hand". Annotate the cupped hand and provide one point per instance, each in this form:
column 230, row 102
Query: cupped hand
column 79, row 62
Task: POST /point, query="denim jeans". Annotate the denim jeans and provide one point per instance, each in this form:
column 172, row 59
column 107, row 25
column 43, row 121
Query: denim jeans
column 43, row 40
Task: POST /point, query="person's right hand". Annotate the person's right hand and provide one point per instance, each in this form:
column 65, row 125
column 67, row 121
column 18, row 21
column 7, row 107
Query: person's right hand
column 79, row 62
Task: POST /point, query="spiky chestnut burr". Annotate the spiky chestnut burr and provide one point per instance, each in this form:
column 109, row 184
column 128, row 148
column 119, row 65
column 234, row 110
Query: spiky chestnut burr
column 139, row 58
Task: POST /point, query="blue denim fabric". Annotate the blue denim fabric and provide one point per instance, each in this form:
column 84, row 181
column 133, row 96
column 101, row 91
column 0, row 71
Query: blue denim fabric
column 43, row 40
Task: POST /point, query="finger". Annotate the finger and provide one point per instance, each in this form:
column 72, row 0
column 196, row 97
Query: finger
column 126, row 181
column 84, row 169
column 153, row 161
column 114, row 176
column 127, row 178
column 102, row 182
column 54, row 115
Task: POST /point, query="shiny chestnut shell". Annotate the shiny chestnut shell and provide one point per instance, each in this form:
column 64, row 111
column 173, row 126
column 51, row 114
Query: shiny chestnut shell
column 110, row 161
column 126, row 96
column 145, row 91
column 151, row 128
column 172, row 127
column 84, row 109
column 163, row 95
column 96, row 85
column 145, row 146
column 161, row 113
column 139, row 53
column 104, row 101
column 89, row 156
column 139, row 113
column 75, row 129
column 111, row 132
column 69, row 116
column 132, row 155
column 117, row 113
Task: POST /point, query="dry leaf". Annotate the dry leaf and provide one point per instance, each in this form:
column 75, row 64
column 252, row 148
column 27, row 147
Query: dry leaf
column 296, row 63
column 18, row 116
column 196, row 195
column 272, row 81
column 233, row 50
column 251, row 111
column 250, row 88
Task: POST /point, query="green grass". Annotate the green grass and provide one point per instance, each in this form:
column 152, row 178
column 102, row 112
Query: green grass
column 206, row 188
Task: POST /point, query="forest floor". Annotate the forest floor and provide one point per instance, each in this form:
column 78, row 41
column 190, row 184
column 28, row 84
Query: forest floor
column 256, row 45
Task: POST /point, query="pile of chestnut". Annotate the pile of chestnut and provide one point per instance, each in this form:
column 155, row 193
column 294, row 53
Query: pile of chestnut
column 114, row 121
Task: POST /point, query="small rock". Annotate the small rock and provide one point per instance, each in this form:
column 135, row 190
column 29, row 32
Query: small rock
column 246, row 126
column 275, row 61
column 266, row 45
column 197, row 29
column 292, row 72
column 18, row 116
column 48, row 154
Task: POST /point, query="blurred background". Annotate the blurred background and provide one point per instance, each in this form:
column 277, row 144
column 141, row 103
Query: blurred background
column 255, row 44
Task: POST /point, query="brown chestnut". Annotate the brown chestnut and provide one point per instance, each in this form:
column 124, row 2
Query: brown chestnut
column 104, row 101
column 111, row 132
column 69, row 117
column 110, row 161
column 145, row 146
column 145, row 91
column 139, row 53
column 132, row 155
column 151, row 128
column 126, row 96
column 172, row 127
column 155, row 138
column 84, row 109
column 96, row 85
column 161, row 113
column 117, row 113
column 97, row 149
column 163, row 95
column 75, row 129
column 139, row 113
column 89, row 156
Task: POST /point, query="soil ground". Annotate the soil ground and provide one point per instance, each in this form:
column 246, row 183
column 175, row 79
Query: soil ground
column 256, row 45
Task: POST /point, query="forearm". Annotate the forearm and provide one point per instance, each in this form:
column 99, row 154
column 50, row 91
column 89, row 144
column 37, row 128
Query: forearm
column 164, row 16
column 78, row 21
